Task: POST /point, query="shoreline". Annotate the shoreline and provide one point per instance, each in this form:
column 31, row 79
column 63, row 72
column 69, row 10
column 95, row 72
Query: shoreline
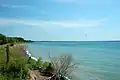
column 24, row 50
column 27, row 53
column 30, row 55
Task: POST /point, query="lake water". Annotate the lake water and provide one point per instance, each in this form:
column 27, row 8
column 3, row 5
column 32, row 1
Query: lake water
column 98, row 60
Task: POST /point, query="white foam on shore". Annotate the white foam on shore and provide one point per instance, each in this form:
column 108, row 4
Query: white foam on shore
column 34, row 58
column 30, row 55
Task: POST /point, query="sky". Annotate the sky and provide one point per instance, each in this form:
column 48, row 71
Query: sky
column 61, row 20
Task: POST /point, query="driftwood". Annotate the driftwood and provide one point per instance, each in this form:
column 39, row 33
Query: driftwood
column 63, row 67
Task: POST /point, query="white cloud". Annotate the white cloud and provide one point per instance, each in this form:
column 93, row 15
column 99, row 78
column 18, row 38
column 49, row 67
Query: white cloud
column 43, row 23
column 84, row 1
column 65, row 0
column 23, row 7
column 14, row 6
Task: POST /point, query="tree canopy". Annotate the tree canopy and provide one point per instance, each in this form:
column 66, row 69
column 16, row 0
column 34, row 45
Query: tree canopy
column 4, row 39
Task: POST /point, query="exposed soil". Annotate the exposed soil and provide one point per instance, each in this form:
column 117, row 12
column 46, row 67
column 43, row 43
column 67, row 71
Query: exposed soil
column 36, row 75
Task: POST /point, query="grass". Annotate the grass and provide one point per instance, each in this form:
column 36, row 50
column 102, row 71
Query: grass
column 18, row 66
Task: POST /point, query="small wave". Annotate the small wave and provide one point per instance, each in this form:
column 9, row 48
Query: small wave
column 30, row 55
column 34, row 58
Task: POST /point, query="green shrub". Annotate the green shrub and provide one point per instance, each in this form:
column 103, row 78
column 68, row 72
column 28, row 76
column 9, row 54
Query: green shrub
column 46, row 64
column 33, row 64
column 2, row 39
column 16, row 69
column 39, row 63
column 3, row 77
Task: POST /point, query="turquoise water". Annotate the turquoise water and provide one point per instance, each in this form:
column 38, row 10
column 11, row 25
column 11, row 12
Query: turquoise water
column 98, row 60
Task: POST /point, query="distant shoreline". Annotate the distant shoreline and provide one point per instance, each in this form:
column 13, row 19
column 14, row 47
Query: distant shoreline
column 79, row 41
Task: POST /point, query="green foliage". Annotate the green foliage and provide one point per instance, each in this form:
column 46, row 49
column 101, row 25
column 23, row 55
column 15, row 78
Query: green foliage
column 46, row 64
column 5, row 40
column 2, row 36
column 33, row 64
column 4, row 77
column 15, row 39
column 2, row 39
column 39, row 63
column 10, row 40
column 47, row 67
column 18, row 66
column 16, row 69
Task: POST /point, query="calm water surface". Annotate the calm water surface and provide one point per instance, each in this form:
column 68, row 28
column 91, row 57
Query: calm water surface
column 98, row 60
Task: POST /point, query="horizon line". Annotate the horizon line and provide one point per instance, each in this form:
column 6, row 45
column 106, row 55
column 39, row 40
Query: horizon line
column 80, row 41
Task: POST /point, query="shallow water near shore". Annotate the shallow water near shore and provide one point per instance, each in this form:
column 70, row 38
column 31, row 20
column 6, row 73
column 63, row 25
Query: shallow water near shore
column 98, row 60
